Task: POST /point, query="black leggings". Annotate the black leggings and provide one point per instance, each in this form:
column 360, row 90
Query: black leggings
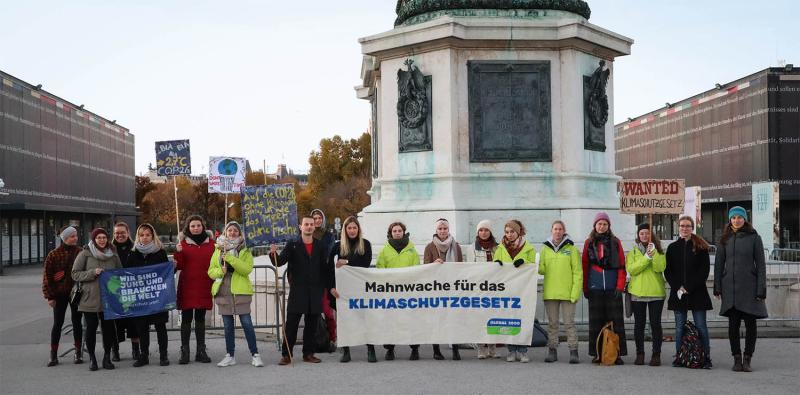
column 735, row 318
column 109, row 331
column 59, row 313
column 640, row 310
column 199, row 326
column 143, row 329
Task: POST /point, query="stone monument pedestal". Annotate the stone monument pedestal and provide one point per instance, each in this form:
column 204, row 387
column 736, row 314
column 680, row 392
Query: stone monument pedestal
column 486, row 114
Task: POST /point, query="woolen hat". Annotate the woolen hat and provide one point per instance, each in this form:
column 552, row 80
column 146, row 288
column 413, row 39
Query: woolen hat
column 737, row 210
column 601, row 216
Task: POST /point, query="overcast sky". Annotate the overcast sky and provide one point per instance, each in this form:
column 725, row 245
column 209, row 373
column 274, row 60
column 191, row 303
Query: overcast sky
column 268, row 79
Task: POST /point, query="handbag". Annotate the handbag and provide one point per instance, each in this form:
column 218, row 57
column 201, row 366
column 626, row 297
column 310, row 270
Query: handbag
column 76, row 293
column 626, row 300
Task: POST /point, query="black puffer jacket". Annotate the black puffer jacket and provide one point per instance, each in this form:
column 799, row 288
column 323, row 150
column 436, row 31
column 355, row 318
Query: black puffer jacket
column 740, row 274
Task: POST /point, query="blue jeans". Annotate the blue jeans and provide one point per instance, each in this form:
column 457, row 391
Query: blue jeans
column 699, row 317
column 517, row 348
column 249, row 333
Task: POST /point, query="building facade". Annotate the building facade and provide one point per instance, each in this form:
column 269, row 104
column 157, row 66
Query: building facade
column 724, row 140
column 61, row 165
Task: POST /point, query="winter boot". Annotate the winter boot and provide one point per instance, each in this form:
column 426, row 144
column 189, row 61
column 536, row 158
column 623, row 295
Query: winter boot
column 107, row 360
column 144, row 359
column 184, row 355
column 345, row 354
column 115, row 353
column 639, row 359
column 437, row 353
column 655, row 359
column 746, row 363
column 163, row 360
column 53, row 358
column 456, row 353
column 737, row 363
column 371, row 357
column 573, row 357
column 552, row 355
column 201, row 355
column 135, row 353
column 78, row 358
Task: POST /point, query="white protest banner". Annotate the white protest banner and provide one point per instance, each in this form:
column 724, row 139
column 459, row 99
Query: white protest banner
column 447, row 303
column 226, row 174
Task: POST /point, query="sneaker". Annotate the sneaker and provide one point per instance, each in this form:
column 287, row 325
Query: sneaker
column 492, row 352
column 257, row 361
column 227, row 361
column 523, row 357
column 512, row 356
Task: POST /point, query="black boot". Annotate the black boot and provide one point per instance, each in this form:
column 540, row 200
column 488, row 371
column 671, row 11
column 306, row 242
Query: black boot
column 437, row 353
column 415, row 354
column 53, row 358
column 746, row 363
column 135, row 353
column 107, row 360
column 389, row 354
column 163, row 360
column 93, row 361
column 78, row 358
column 552, row 355
column 737, row 363
column 345, row 354
column 184, row 355
column 573, row 357
column 371, row 357
column 456, row 354
column 144, row 359
column 115, row 353
column 201, row 355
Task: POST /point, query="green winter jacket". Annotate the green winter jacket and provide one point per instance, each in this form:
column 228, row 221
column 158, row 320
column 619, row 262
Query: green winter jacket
column 240, row 280
column 647, row 275
column 527, row 254
column 389, row 257
column 562, row 271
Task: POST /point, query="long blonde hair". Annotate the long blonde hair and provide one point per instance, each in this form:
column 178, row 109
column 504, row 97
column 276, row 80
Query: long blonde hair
column 344, row 241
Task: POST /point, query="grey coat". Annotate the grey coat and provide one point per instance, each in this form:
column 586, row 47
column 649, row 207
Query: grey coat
column 83, row 272
column 740, row 274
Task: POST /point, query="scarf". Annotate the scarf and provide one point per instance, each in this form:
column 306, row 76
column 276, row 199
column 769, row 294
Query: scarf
column 446, row 247
column 230, row 245
column 319, row 233
column 198, row 239
column 146, row 249
column 513, row 247
column 486, row 246
column 603, row 252
column 642, row 248
column 398, row 245
column 101, row 255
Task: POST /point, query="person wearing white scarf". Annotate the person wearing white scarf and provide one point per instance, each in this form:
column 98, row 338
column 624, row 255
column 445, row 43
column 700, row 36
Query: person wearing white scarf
column 443, row 248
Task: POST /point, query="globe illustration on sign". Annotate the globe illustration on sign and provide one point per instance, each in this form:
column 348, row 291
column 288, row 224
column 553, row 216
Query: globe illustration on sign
column 227, row 167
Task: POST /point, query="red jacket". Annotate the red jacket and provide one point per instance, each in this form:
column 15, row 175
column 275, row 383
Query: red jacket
column 194, row 285
column 621, row 274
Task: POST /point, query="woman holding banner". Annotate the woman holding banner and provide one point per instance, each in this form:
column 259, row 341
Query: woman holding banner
column 603, row 262
column 688, row 266
column 399, row 251
column 147, row 250
column 515, row 249
column 740, row 280
column 232, row 290
column 99, row 255
column 352, row 249
column 560, row 264
column 646, row 263
column 485, row 246
column 194, row 251
column 443, row 248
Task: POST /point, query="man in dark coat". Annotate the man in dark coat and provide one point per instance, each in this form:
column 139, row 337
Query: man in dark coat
column 306, row 258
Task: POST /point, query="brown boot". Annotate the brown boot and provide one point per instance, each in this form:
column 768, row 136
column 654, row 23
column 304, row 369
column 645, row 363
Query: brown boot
column 655, row 359
column 746, row 363
column 639, row 359
column 737, row 363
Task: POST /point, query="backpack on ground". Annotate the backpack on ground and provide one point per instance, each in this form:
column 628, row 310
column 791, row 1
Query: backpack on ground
column 322, row 339
column 607, row 345
column 691, row 354
column 539, row 335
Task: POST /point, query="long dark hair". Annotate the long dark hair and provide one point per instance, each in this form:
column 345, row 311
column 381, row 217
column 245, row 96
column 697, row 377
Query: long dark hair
column 189, row 220
column 697, row 241
column 593, row 234
column 728, row 232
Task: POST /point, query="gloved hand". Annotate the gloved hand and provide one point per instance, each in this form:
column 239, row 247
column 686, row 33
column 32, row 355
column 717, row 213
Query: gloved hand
column 499, row 262
column 518, row 263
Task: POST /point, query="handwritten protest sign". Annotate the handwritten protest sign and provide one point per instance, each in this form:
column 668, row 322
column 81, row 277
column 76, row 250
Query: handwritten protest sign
column 226, row 174
column 172, row 158
column 137, row 291
column 651, row 196
column 270, row 213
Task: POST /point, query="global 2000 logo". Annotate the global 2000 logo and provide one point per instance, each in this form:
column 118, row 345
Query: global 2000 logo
column 504, row 326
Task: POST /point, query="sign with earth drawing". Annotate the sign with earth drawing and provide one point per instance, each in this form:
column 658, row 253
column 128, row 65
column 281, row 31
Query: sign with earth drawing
column 139, row 291
column 226, row 174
